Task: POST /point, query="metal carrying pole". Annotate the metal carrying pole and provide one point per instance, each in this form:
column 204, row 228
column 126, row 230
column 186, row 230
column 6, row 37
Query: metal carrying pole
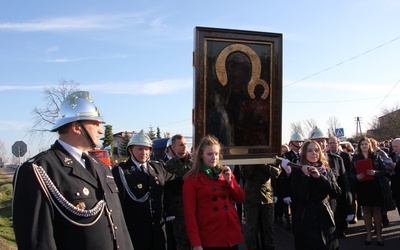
column 291, row 164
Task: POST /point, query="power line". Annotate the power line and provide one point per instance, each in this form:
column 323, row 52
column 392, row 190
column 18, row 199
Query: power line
column 354, row 100
column 338, row 64
column 384, row 98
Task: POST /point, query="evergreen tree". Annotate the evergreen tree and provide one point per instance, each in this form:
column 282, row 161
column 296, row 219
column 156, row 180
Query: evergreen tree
column 151, row 133
column 123, row 144
column 109, row 138
column 158, row 132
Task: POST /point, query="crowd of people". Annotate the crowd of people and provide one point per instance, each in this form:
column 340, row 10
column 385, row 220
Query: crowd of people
column 67, row 199
column 364, row 185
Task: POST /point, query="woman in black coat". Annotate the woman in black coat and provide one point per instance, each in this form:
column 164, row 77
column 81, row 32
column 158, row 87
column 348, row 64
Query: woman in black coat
column 312, row 186
column 368, row 188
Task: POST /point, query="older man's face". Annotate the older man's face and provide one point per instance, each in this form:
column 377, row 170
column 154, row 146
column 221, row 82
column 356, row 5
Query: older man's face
column 333, row 145
column 396, row 147
column 322, row 143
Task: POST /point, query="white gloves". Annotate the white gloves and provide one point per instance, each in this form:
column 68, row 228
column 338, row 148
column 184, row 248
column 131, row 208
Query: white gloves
column 275, row 199
column 170, row 218
column 350, row 217
column 287, row 200
column 285, row 166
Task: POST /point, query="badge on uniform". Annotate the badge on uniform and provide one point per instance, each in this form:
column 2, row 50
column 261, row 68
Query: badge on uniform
column 140, row 186
column 85, row 191
column 81, row 205
column 68, row 161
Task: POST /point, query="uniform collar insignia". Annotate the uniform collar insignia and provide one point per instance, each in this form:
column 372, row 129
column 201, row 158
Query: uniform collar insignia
column 68, row 161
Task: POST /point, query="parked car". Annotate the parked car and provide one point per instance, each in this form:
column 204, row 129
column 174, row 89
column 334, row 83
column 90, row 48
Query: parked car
column 160, row 144
column 102, row 155
column 158, row 152
column 347, row 145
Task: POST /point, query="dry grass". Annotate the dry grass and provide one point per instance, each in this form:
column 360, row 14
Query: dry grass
column 7, row 237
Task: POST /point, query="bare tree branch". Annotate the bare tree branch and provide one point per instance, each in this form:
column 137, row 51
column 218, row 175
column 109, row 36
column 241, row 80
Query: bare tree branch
column 296, row 127
column 45, row 117
column 333, row 124
column 387, row 125
column 3, row 151
column 310, row 124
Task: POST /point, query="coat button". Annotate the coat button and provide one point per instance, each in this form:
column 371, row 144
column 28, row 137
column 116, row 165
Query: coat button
column 223, row 197
column 225, row 207
column 215, row 209
column 214, row 199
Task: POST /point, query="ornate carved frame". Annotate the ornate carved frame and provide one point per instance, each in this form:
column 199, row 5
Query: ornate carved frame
column 238, row 91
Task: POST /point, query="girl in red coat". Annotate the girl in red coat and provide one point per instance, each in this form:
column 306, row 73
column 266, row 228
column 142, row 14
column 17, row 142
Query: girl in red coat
column 209, row 194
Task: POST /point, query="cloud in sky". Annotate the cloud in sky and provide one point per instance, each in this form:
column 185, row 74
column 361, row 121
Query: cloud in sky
column 71, row 23
column 169, row 86
column 162, row 87
column 14, row 125
column 51, row 49
column 19, row 87
column 67, row 59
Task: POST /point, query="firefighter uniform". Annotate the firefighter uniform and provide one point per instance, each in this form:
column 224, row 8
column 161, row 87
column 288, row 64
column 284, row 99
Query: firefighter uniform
column 58, row 204
column 141, row 196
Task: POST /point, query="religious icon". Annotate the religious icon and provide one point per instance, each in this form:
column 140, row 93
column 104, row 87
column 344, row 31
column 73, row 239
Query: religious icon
column 238, row 90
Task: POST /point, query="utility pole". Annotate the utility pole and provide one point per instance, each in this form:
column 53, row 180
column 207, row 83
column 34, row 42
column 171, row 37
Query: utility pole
column 358, row 126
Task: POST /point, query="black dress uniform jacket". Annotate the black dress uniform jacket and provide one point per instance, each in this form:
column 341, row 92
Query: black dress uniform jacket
column 144, row 218
column 38, row 224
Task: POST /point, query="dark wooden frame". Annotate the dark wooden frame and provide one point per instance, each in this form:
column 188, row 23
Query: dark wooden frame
column 238, row 91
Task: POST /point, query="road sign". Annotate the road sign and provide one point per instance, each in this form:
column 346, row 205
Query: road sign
column 19, row 148
column 339, row 132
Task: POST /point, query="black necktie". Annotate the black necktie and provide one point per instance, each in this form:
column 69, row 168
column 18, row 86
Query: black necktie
column 89, row 165
column 143, row 170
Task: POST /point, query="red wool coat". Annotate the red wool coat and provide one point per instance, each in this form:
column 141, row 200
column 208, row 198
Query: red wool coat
column 210, row 214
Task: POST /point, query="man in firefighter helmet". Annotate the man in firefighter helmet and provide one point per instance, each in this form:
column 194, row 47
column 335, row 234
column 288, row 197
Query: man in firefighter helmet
column 318, row 136
column 58, row 203
column 141, row 187
column 284, row 191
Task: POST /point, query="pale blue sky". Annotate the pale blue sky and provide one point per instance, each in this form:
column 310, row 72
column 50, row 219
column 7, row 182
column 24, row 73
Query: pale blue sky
column 135, row 57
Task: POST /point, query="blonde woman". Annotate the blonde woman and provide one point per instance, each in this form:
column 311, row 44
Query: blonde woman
column 209, row 193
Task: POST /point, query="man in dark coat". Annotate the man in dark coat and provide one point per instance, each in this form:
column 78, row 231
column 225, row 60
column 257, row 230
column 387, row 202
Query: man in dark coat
column 259, row 205
column 141, row 185
column 283, row 183
column 65, row 199
column 345, row 200
column 395, row 179
column 179, row 165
